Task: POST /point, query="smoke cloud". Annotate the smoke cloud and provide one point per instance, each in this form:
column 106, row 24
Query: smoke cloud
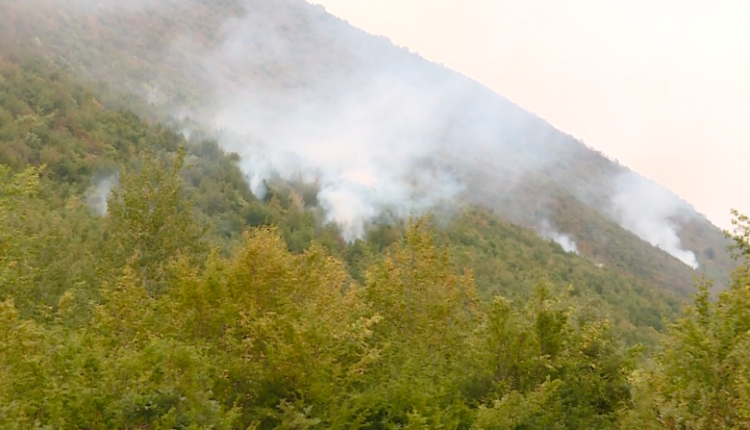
column 98, row 193
column 383, row 131
column 367, row 150
column 298, row 93
column 378, row 127
column 547, row 231
column 651, row 212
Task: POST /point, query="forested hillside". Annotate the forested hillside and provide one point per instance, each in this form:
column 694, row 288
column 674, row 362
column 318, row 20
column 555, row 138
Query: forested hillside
column 452, row 262
column 171, row 303
column 285, row 74
column 48, row 120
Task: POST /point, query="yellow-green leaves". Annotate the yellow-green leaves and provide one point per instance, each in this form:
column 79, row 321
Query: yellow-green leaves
column 517, row 410
column 151, row 222
column 699, row 380
column 17, row 241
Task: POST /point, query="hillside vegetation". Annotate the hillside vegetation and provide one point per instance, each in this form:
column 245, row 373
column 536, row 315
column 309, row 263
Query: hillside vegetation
column 216, row 59
column 167, row 309
column 148, row 282
column 48, row 120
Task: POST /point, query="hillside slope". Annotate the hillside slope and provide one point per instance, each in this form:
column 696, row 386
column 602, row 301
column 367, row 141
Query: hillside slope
column 47, row 119
column 116, row 314
column 358, row 114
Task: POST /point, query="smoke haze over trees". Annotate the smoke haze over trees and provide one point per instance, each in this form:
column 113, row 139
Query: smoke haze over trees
column 224, row 214
column 296, row 91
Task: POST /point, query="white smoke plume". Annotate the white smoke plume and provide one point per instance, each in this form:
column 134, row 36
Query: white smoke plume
column 362, row 158
column 388, row 133
column 98, row 193
column 296, row 92
column 565, row 241
column 650, row 211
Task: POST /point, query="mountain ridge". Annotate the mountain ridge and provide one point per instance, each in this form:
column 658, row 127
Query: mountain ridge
column 308, row 73
column 152, row 278
column 83, row 150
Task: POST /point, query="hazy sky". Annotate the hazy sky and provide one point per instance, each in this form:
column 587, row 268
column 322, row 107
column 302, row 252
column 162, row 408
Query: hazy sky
column 661, row 85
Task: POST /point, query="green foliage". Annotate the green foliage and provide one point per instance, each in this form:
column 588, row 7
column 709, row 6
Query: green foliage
column 509, row 260
column 151, row 223
column 141, row 317
column 134, row 49
column 267, row 338
column 700, row 380
column 560, row 365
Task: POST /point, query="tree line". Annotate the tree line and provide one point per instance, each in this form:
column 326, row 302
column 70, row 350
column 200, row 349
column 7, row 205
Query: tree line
column 190, row 304
column 161, row 330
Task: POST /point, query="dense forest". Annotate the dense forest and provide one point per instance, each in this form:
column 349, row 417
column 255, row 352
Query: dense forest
column 142, row 285
column 208, row 58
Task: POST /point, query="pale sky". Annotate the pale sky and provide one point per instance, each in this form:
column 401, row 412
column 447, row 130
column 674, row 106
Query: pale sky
column 661, row 85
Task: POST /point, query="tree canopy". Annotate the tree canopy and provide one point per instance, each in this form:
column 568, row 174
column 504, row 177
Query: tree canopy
column 142, row 285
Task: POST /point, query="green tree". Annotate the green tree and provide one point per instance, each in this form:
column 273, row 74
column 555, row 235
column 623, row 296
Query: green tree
column 552, row 363
column 150, row 221
column 700, row 380
column 429, row 313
